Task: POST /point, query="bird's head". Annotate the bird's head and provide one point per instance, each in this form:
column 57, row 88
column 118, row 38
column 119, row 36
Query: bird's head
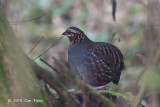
column 74, row 34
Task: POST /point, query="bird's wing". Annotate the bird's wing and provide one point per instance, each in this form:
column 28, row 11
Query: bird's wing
column 106, row 60
column 111, row 55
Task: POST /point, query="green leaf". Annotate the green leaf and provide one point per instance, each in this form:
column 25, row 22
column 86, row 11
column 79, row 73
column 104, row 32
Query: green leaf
column 113, row 35
column 119, row 39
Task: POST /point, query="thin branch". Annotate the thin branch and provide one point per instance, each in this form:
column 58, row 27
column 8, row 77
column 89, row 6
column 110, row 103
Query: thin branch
column 48, row 48
column 61, row 63
column 30, row 20
column 82, row 84
column 140, row 95
column 157, row 56
column 76, row 101
column 35, row 45
column 53, row 68
column 50, row 79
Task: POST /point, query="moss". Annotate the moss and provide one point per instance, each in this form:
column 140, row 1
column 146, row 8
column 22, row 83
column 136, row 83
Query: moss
column 126, row 96
column 3, row 84
column 17, row 79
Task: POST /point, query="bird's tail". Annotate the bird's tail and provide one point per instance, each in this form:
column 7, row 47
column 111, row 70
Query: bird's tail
column 117, row 78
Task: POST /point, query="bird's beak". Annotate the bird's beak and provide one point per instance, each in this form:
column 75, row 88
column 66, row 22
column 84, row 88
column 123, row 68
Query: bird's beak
column 64, row 33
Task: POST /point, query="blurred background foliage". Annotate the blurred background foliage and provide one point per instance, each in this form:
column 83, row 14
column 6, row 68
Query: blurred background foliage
column 94, row 17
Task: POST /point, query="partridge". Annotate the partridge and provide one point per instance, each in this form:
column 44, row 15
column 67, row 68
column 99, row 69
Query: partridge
column 97, row 63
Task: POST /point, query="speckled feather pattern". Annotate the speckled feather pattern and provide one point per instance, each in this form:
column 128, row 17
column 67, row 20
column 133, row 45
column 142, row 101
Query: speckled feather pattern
column 106, row 62
column 101, row 71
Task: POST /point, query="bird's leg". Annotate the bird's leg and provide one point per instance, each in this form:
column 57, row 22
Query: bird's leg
column 104, row 87
column 101, row 88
